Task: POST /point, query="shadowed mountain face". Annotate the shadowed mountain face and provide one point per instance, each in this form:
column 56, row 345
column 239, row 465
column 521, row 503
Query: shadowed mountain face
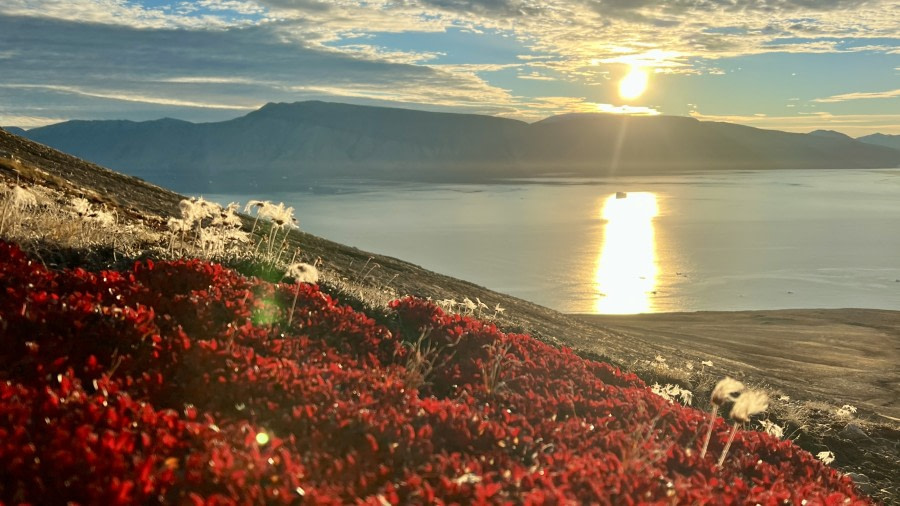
column 891, row 141
column 15, row 130
column 289, row 146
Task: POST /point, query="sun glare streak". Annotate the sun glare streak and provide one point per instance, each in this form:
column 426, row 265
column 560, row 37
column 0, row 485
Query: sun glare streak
column 626, row 274
column 634, row 83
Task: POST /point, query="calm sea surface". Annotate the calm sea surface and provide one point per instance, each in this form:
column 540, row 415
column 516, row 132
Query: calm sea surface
column 722, row 241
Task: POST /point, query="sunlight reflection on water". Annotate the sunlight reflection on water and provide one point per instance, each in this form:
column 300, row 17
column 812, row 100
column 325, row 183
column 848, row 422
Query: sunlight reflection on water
column 720, row 242
column 626, row 275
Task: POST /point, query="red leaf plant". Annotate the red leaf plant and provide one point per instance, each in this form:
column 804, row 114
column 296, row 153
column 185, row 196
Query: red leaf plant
column 182, row 382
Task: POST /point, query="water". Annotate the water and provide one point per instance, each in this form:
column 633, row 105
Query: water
column 714, row 241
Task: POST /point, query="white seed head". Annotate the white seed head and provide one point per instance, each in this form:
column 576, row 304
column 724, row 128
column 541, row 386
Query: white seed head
column 178, row 225
column 826, row 457
column 468, row 479
column 257, row 205
column 672, row 393
column 748, row 404
column 237, row 235
column 196, row 209
column 227, row 218
column 21, row 198
column 103, row 218
column 303, row 273
column 189, row 211
column 846, row 411
column 230, row 214
column 207, row 208
column 772, row 429
column 278, row 214
column 726, row 390
column 81, row 206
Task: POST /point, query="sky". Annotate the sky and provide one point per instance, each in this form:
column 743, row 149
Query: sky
column 795, row 65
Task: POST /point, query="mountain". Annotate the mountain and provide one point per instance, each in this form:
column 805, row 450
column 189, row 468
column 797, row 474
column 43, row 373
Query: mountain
column 891, row 141
column 290, row 146
column 830, row 134
column 14, row 130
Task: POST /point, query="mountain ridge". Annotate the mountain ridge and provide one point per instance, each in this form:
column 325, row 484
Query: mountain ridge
column 292, row 145
column 887, row 140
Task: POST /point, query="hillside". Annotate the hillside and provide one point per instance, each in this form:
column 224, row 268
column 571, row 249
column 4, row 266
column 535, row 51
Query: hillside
column 865, row 444
column 315, row 402
column 292, row 146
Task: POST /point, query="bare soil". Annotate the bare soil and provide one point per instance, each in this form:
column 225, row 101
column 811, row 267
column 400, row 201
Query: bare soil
column 849, row 356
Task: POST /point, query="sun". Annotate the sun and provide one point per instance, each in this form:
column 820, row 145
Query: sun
column 633, row 84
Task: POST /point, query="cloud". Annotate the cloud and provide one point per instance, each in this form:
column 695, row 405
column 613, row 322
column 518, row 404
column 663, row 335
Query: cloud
column 130, row 97
column 535, row 76
column 627, row 109
column 655, row 58
column 23, row 121
column 573, row 32
column 859, row 96
column 214, row 56
column 491, row 8
column 238, row 6
column 372, row 52
column 56, row 62
column 223, row 13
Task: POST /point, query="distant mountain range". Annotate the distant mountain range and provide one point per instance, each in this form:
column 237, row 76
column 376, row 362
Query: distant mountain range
column 291, row 146
column 891, row 141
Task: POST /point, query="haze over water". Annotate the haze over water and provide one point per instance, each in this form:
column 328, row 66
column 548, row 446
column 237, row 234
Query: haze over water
column 711, row 241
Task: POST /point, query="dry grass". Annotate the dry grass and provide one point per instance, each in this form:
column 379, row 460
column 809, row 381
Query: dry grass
column 35, row 215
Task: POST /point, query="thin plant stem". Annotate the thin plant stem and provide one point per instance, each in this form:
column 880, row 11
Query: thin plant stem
column 262, row 237
column 363, row 267
column 3, row 216
column 728, row 445
column 272, row 234
column 255, row 221
column 712, row 421
column 114, row 235
column 284, row 244
column 294, row 305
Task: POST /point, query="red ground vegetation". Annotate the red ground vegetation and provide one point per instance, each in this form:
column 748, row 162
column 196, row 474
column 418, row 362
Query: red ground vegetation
column 181, row 382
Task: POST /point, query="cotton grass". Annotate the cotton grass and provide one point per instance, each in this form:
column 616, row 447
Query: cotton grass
column 748, row 404
column 726, row 390
column 302, row 273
